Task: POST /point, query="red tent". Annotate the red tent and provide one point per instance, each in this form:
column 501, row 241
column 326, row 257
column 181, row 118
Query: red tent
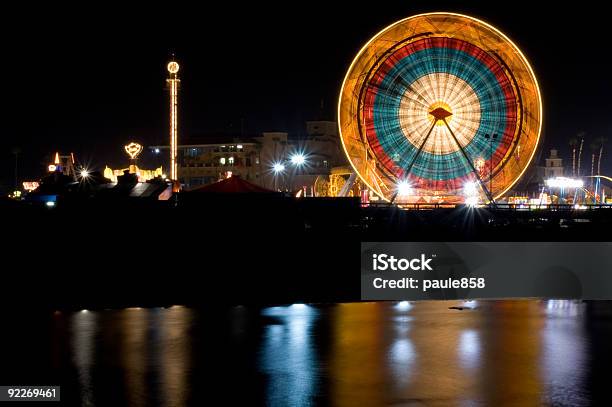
column 232, row 185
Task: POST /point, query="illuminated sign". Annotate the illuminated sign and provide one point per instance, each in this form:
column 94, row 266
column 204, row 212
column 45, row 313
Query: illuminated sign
column 173, row 67
column 133, row 150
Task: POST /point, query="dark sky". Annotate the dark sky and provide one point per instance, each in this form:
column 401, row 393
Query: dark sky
column 89, row 79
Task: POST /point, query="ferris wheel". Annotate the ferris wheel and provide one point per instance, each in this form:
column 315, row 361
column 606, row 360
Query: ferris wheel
column 438, row 107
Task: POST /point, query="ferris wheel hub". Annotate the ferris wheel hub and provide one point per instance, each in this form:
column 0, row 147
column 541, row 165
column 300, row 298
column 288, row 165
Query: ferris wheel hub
column 440, row 113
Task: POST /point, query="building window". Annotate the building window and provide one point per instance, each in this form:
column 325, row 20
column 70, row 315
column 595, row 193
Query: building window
column 257, row 160
column 222, row 160
column 231, row 161
column 239, row 146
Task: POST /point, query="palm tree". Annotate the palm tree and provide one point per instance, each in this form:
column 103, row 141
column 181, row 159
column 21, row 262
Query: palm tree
column 573, row 142
column 581, row 137
column 601, row 141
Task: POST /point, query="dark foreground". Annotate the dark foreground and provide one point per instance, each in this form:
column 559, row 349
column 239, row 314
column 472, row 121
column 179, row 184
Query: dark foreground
column 485, row 353
column 234, row 249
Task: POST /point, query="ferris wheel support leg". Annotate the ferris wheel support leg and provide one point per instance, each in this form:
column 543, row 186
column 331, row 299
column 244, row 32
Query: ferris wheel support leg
column 348, row 184
column 407, row 171
column 482, row 184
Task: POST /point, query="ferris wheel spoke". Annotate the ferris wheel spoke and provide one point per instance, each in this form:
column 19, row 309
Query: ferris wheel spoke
column 418, row 152
column 474, row 170
column 394, row 93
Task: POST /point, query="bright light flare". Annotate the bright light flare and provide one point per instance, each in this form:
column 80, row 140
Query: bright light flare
column 278, row 168
column 84, row 173
column 470, row 189
column 471, row 201
column 563, row 182
column 404, row 188
column 298, row 159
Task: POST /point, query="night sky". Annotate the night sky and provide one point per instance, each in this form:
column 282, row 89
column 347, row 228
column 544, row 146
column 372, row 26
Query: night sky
column 90, row 79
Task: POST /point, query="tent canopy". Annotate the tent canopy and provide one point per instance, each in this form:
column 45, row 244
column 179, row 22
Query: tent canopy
column 232, row 185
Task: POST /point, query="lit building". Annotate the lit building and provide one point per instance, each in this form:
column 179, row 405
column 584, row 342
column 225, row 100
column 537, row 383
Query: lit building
column 253, row 158
column 553, row 167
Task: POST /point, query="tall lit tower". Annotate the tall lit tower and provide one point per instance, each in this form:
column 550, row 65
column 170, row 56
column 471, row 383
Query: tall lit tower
column 173, row 83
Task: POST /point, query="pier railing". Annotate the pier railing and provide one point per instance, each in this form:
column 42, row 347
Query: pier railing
column 493, row 207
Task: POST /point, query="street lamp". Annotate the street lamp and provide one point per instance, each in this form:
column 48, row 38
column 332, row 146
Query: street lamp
column 298, row 160
column 491, row 138
column 278, row 168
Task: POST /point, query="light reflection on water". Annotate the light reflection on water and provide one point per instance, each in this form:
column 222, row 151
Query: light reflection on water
column 484, row 353
column 83, row 331
column 564, row 353
column 288, row 356
column 150, row 347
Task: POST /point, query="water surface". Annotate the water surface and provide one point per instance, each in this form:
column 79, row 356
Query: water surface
column 393, row 354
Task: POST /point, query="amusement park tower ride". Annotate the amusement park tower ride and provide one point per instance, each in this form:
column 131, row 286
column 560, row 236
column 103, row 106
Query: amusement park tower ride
column 173, row 84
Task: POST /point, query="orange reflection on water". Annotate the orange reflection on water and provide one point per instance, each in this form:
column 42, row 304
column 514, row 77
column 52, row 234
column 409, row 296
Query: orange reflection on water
column 511, row 352
column 357, row 365
column 175, row 350
column 428, row 353
column 134, row 350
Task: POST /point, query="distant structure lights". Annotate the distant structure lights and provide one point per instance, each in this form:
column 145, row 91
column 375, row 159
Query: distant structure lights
column 564, row 182
column 173, row 84
column 30, row 185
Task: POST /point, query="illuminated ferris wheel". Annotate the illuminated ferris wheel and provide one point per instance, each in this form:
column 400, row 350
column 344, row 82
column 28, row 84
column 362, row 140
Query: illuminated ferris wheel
column 438, row 107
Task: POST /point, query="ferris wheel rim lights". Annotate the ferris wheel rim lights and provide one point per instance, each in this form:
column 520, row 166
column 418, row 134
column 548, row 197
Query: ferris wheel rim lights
column 521, row 120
